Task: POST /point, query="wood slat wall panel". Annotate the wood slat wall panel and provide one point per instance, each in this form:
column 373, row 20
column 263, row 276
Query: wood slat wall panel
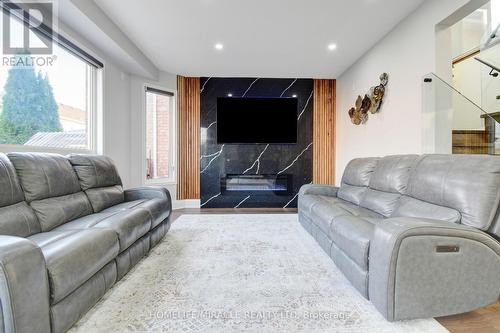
column 188, row 138
column 324, row 132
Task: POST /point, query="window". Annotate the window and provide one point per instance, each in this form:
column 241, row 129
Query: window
column 159, row 134
column 47, row 101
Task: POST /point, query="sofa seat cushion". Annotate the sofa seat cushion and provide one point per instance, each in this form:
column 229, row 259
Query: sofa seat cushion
column 123, row 206
column 327, row 209
column 358, row 211
column 158, row 208
column 307, row 201
column 85, row 222
column 323, row 214
column 352, row 234
column 74, row 256
column 129, row 225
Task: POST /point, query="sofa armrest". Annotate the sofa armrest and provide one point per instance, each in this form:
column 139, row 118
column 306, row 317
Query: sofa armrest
column 147, row 192
column 422, row 268
column 326, row 190
column 24, row 286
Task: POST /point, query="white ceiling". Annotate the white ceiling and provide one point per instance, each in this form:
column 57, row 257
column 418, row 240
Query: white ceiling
column 261, row 38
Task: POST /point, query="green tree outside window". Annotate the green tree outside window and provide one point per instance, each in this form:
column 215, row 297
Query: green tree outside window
column 29, row 106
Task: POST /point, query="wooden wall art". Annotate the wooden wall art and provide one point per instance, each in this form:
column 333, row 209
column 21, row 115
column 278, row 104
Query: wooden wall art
column 370, row 103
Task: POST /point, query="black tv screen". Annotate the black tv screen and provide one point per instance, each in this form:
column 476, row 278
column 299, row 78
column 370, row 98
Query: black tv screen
column 256, row 120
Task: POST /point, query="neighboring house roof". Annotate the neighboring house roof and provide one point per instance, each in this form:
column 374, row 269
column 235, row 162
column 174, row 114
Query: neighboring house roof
column 69, row 139
column 69, row 113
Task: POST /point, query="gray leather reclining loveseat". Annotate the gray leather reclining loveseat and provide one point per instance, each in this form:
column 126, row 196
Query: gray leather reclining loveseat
column 68, row 232
column 416, row 235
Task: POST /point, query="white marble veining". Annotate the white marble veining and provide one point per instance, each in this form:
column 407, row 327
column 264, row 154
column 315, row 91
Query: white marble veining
column 305, row 106
column 214, row 157
column 257, row 162
column 211, row 124
column 210, row 155
column 204, row 84
column 295, row 160
column 210, row 199
column 291, row 84
column 239, row 273
column 251, row 84
column 291, row 200
column 242, row 201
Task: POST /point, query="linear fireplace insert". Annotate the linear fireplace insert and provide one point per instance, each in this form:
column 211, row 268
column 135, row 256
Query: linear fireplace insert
column 257, row 184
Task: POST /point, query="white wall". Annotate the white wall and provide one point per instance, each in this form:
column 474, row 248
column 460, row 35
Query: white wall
column 467, row 33
column 407, row 54
column 116, row 119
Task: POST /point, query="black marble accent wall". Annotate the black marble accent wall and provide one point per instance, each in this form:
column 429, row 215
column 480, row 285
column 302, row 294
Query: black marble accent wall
column 217, row 161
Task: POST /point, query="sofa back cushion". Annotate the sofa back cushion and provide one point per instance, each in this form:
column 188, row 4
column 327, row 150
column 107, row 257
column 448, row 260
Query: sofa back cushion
column 387, row 183
column 356, row 179
column 11, row 191
column 16, row 217
column 50, row 187
column 467, row 184
column 99, row 179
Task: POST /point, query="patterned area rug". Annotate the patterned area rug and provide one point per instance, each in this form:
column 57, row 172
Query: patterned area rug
column 238, row 273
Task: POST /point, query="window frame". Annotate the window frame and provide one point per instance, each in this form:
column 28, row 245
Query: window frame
column 95, row 89
column 94, row 121
column 172, row 178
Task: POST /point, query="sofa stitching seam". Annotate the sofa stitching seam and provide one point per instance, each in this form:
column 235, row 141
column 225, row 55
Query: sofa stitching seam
column 10, row 180
column 95, row 171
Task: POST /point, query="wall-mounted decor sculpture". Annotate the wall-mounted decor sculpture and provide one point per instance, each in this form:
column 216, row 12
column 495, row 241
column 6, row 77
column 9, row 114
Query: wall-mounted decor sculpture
column 370, row 103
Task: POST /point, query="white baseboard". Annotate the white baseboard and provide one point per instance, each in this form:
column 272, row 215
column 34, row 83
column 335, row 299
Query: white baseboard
column 182, row 204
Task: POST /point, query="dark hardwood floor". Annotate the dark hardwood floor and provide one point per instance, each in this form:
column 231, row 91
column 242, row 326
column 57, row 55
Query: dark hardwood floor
column 178, row 212
column 486, row 320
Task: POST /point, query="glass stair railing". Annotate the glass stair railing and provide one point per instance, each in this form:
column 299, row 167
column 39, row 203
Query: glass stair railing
column 489, row 59
column 454, row 123
column 491, row 38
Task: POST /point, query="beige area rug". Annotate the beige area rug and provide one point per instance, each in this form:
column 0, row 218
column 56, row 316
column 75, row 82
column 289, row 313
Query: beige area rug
column 238, row 273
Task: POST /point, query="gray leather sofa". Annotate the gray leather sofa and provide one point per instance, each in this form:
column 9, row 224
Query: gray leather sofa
column 68, row 232
column 416, row 235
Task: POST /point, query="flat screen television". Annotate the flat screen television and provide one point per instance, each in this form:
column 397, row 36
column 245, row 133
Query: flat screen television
column 256, row 120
